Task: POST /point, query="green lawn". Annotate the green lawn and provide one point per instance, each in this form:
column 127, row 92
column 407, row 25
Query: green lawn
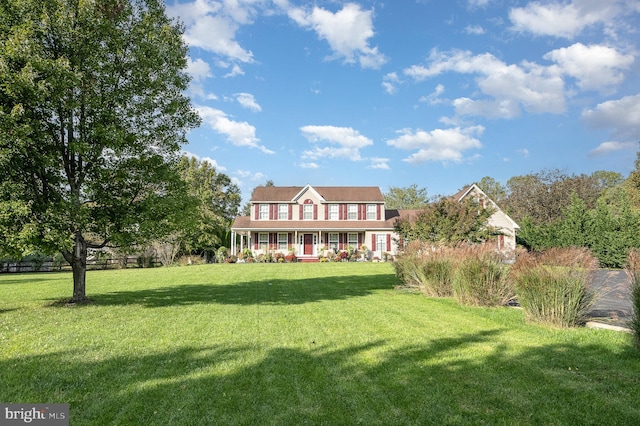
column 291, row 344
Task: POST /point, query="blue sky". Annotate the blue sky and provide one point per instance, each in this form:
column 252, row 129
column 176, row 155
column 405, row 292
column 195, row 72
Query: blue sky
column 437, row 93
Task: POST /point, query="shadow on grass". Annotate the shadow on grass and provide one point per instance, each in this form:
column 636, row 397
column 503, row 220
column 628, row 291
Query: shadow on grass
column 270, row 291
column 443, row 382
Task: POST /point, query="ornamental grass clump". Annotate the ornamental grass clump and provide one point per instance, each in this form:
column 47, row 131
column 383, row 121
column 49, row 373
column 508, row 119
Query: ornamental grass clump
column 633, row 270
column 481, row 278
column 553, row 287
column 427, row 268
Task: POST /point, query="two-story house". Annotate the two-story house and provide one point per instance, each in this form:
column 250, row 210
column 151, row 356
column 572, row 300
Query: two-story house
column 310, row 219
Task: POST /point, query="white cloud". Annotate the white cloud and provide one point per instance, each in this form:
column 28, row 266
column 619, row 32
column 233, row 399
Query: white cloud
column 212, row 25
column 344, row 142
column 390, row 82
column 610, row 146
column 210, row 160
column 474, row 29
column 478, row 3
column 564, row 19
column 437, row 145
column 434, row 97
column 239, row 133
column 310, row 165
column 248, row 101
column 379, row 163
column 347, row 31
column 622, row 116
column 534, row 88
column 198, row 69
column 594, row 66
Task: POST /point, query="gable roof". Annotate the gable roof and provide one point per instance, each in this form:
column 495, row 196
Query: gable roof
column 475, row 190
column 287, row 194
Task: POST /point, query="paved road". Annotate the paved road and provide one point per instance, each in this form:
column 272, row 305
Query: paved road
column 613, row 306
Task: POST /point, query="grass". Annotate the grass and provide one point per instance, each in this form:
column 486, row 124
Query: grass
column 298, row 344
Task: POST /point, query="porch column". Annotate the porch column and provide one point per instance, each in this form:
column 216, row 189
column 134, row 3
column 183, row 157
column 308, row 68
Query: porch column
column 233, row 243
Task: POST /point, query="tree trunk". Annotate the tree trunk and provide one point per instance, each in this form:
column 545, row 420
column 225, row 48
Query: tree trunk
column 78, row 261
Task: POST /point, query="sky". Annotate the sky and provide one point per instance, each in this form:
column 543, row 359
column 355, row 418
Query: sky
column 437, row 93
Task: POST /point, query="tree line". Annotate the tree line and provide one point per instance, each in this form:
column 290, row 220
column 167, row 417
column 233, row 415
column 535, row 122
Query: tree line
column 599, row 211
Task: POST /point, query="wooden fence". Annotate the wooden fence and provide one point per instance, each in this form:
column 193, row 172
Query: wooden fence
column 92, row 264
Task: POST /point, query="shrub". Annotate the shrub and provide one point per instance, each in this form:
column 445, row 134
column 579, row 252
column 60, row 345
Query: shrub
column 221, row 254
column 481, row 278
column 633, row 270
column 553, row 287
column 427, row 269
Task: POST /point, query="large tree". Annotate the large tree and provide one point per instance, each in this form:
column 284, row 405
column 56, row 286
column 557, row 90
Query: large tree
column 218, row 200
column 92, row 116
column 407, row 198
column 544, row 195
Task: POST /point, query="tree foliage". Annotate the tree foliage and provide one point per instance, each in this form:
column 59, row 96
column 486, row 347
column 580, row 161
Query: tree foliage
column 407, row 198
column 92, row 115
column 448, row 221
column 542, row 196
column 494, row 189
column 218, row 200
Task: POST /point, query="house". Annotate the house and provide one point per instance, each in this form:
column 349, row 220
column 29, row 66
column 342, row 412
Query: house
column 499, row 219
column 312, row 220
column 315, row 219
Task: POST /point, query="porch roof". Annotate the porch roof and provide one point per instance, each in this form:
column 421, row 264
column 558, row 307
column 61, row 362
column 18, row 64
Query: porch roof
column 244, row 223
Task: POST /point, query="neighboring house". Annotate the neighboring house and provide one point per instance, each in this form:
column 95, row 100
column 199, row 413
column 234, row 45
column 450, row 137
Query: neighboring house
column 499, row 219
column 311, row 220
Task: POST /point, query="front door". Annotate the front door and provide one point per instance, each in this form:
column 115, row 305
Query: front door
column 308, row 244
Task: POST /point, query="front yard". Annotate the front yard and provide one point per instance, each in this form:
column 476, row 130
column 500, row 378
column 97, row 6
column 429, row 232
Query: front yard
column 324, row 343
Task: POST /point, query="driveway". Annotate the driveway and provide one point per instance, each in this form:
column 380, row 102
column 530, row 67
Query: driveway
column 613, row 306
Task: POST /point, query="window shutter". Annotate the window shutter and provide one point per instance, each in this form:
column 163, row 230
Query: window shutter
column 359, row 240
column 326, row 212
column 379, row 209
column 255, row 238
column 315, row 212
column 388, row 242
column 290, row 211
column 289, row 238
column 301, row 213
column 257, row 215
column 271, row 206
column 373, row 242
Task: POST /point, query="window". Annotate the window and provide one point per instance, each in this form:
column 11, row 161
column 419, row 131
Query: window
column 352, row 240
column 307, row 212
column 372, row 212
column 352, row 211
column 283, row 241
column 333, row 212
column 381, row 242
column 263, row 240
column 283, row 212
column 333, row 241
column 264, row 212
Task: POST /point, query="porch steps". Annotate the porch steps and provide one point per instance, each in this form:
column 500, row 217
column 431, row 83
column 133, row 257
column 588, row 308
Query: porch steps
column 312, row 259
